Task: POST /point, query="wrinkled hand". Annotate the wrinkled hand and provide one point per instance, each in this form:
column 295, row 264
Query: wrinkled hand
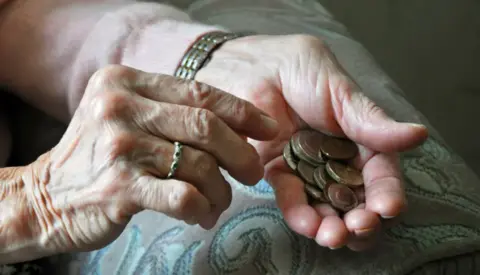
column 116, row 153
column 297, row 81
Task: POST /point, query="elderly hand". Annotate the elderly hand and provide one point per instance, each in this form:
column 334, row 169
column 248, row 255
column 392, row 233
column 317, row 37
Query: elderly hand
column 297, row 80
column 114, row 158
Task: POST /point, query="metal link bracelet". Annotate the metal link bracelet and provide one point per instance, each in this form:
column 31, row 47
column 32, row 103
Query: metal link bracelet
column 200, row 52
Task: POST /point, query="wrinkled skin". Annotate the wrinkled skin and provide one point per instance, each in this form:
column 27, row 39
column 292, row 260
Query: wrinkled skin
column 297, row 81
column 112, row 161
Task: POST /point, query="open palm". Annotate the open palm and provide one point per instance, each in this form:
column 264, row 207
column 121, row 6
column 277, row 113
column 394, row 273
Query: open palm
column 297, row 81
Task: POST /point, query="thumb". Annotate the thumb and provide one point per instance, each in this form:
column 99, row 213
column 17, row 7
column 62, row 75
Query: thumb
column 367, row 124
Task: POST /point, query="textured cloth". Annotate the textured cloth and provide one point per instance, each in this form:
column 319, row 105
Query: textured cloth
column 439, row 234
column 54, row 46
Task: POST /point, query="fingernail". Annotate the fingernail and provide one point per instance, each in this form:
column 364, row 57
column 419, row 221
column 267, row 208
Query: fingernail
column 416, row 125
column 270, row 123
column 364, row 232
column 335, row 248
column 191, row 221
column 388, row 217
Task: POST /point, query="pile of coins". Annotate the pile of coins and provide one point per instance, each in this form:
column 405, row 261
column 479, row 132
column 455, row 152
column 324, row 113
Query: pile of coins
column 322, row 162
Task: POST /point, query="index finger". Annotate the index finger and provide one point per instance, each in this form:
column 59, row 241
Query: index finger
column 327, row 229
column 291, row 199
column 239, row 114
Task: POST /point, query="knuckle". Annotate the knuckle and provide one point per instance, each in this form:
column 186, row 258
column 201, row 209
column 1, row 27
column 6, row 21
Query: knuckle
column 373, row 110
column 205, row 164
column 308, row 42
column 179, row 200
column 107, row 76
column 241, row 110
column 369, row 107
column 199, row 93
column 119, row 145
column 107, row 106
column 202, row 126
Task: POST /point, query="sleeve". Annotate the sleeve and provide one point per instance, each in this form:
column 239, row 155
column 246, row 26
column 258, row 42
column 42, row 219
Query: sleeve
column 50, row 48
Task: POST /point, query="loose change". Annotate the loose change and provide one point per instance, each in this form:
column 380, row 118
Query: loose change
column 322, row 162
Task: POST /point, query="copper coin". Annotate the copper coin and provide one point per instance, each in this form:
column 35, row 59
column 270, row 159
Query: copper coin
column 315, row 193
column 342, row 198
column 344, row 174
column 288, row 157
column 338, row 149
column 305, row 170
column 320, row 176
column 306, row 146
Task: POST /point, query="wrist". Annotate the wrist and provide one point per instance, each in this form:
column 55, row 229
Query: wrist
column 145, row 36
column 21, row 233
column 200, row 53
column 17, row 239
column 162, row 46
column 237, row 55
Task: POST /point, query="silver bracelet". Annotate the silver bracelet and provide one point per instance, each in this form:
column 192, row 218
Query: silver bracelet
column 200, row 52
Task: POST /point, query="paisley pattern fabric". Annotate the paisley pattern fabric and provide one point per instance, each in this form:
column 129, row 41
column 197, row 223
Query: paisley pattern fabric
column 253, row 239
column 440, row 234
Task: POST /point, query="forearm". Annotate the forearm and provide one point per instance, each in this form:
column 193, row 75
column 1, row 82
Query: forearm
column 50, row 48
column 18, row 234
column 20, row 231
